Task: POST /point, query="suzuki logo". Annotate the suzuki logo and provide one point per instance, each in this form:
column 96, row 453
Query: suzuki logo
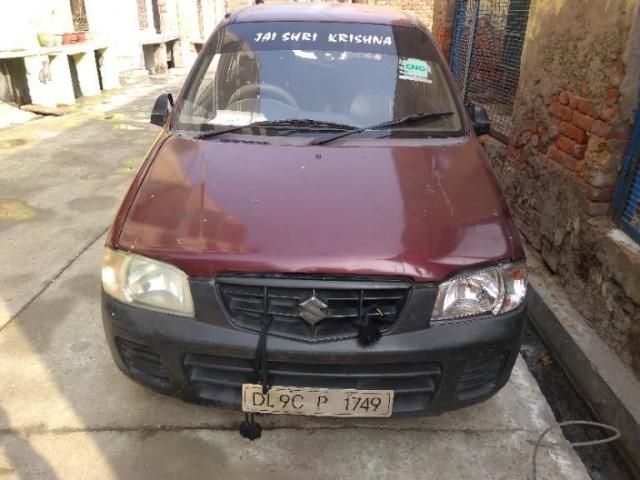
column 312, row 310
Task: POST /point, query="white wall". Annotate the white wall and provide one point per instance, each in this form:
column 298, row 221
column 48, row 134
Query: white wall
column 20, row 23
column 115, row 18
column 213, row 12
column 112, row 22
column 115, row 23
column 188, row 18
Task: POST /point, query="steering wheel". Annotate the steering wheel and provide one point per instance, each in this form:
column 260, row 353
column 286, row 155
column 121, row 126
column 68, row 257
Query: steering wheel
column 252, row 89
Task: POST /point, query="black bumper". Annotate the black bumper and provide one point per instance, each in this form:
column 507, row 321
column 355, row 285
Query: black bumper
column 433, row 370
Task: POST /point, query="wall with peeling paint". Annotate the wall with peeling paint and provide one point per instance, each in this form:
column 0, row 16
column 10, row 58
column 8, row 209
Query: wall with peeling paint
column 572, row 119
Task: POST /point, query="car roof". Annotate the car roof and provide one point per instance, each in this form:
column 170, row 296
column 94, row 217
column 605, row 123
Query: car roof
column 324, row 12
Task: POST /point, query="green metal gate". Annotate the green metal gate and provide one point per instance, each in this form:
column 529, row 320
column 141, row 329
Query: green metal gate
column 486, row 50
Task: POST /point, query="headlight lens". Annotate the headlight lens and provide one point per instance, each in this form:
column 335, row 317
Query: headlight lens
column 492, row 291
column 146, row 283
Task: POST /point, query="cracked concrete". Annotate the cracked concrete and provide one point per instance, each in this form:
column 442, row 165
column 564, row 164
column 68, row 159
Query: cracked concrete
column 67, row 412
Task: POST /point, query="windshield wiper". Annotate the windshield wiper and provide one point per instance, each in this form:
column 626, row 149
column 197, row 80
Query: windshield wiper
column 415, row 117
column 305, row 123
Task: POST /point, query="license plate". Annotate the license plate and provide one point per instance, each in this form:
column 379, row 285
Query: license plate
column 322, row 402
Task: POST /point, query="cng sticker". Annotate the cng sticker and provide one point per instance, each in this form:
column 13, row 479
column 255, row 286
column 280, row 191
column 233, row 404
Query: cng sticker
column 415, row 70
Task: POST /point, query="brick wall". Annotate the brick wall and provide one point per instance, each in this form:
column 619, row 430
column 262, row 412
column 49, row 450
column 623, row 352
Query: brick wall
column 437, row 16
column 442, row 29
column 571, row 125
column 587, row 140
column 423, row 9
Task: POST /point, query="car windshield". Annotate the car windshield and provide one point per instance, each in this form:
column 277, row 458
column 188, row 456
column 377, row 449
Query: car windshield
column 318, row 76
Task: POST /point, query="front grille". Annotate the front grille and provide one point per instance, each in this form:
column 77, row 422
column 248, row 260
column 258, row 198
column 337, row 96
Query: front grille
column 481, row 375
column 311, row 309
column 142, row 362
column 414, row 383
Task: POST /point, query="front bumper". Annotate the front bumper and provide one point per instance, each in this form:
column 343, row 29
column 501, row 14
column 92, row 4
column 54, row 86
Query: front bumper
column 432, row 370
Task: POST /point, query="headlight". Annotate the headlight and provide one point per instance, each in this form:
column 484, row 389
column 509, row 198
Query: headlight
column 495, row 290
column 146, row 283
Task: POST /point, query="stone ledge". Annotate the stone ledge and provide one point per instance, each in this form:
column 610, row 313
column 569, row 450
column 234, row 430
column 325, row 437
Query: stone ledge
column 159, row 38
column 621, row 256
column 71, row 49
column 601, row 379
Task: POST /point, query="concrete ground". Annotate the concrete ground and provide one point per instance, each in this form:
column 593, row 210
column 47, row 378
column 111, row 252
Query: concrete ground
column 67, row 412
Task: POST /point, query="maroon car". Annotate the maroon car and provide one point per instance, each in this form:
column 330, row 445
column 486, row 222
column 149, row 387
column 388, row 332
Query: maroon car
column 316, row 230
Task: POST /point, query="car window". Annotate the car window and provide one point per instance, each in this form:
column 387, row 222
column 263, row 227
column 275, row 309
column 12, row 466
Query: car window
column 351, row 74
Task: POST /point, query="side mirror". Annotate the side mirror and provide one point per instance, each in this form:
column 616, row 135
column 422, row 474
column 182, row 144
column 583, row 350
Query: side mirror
column 161, row 109
column 479, row 119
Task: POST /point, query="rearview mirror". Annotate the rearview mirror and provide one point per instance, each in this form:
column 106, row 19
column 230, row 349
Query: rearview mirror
column 479, row 119
column 161, row 109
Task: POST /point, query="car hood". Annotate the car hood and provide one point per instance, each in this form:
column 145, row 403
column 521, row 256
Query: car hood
column 423, row 212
